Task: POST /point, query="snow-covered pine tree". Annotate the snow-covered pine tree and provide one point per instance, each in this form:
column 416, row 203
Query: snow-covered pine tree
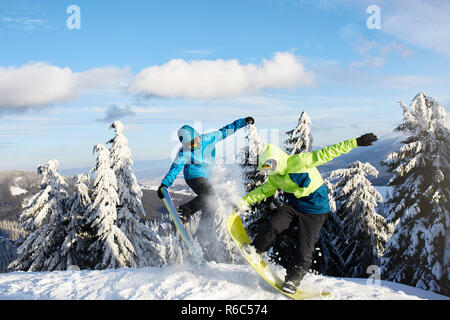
column 7, row 253
column 300, row 139
column 328, row 257
column 39, row 208
column 365, row 231
column 130, row 205
column 74, row 249
column 172, row 249
column 109, row 247
column 418, row 253
column 43, row 217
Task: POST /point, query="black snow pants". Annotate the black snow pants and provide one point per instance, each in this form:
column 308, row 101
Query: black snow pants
column 309, row 226
column 203, row 201
column 204, row 193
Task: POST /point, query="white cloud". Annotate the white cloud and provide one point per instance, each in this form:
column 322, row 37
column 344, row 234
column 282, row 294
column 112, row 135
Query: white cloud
column 375, row 54
column 116, row 112
column 204, row 52
column 369, row 61
column 23, row 23
column 35, row 84
column 333, row 72
column 39, row 84
column 210, row 79
column 103, row 78
column 423, row 23
column 395, row 47
column 363, row 46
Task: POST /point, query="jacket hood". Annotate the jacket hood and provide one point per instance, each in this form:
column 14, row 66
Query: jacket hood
column 272, row 152
column 187, row 133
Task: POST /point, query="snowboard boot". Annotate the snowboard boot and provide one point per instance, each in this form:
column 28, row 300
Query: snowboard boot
column 293, row 279
column 184, row 214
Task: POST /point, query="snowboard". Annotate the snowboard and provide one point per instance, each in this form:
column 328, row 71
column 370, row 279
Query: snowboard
column 237, row 232
column 193, row 247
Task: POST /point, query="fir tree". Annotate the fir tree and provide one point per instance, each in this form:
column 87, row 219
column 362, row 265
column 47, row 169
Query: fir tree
column 40, row 208
column 7, row 253
column 43, row 218
column 109, row 247
column 130, row 195
column 172, row 249
column 74, row 249
column 365, row 231
column 418, row 253
column 300, row 139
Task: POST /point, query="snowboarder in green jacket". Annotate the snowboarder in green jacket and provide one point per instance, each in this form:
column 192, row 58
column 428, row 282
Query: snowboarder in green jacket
column 307, row 204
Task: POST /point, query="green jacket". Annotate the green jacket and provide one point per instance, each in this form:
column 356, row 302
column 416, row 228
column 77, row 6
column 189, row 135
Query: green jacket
column 298, row 177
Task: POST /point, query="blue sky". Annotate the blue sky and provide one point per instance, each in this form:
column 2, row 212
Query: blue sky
column 156, row 65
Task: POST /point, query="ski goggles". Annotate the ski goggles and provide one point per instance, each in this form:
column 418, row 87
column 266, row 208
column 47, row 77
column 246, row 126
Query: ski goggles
column 269, row 165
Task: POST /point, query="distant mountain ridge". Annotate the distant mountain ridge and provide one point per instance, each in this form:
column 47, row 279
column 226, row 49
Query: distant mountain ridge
column 10, row 200
column 17, row 185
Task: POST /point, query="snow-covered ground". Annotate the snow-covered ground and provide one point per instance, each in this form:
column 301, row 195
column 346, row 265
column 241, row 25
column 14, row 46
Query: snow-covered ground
column 211, row 281
column 15, row 191
column 181, row 190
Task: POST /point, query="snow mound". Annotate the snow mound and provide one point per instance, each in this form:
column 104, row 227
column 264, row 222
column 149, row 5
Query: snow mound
column 210, row 281
column 15, row 191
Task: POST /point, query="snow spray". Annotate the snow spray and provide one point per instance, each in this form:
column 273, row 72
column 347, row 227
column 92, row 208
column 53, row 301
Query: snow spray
column 228, row 189
column 228, row 183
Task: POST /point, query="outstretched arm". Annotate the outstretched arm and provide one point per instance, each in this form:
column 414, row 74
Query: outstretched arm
column 263, row 191
column 317, row 158
column 229, row 129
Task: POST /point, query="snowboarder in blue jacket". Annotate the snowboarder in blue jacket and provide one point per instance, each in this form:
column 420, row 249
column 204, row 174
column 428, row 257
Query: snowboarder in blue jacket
column 196, row 157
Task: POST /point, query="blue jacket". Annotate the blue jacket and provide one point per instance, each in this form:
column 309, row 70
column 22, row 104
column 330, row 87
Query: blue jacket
column 197, row 162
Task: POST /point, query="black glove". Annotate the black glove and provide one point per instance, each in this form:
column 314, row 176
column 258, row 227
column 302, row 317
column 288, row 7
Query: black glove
column 249, row 120
column 160, row 194
column 366, row 139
